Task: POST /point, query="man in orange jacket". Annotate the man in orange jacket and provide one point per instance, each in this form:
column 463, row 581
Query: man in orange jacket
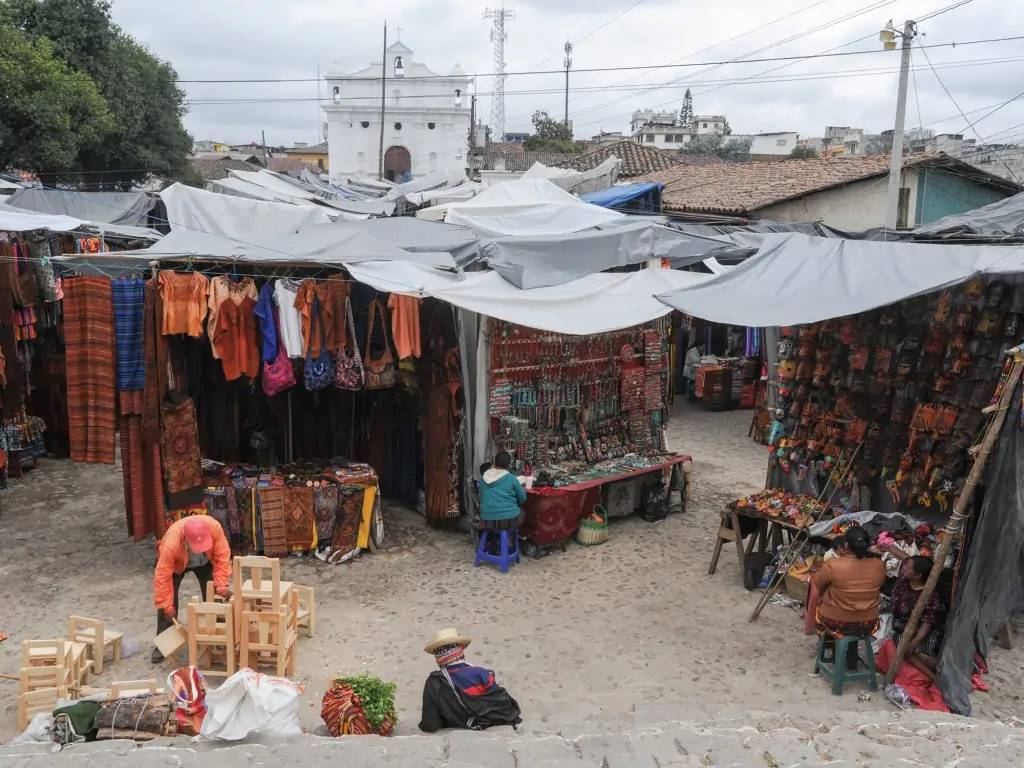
column 195, row 544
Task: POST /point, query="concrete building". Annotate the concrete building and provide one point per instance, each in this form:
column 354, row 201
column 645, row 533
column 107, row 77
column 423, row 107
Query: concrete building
column 772, row 144
column 845, row 193
column 313, row 156
column 662, row 130
column 426, row 119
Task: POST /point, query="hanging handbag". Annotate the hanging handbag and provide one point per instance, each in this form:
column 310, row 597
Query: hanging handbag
column 380, row 373
column 319, row 372
column 278, row 374
column 348, row 373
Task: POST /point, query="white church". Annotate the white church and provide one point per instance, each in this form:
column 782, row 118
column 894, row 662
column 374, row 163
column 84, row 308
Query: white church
column 426, row 119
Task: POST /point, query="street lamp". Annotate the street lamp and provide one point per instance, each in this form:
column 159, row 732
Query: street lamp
column 888, row 37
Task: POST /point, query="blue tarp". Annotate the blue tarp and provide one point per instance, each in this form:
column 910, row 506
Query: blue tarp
column 641, row 196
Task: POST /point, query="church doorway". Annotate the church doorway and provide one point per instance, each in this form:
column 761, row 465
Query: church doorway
column 397, row 164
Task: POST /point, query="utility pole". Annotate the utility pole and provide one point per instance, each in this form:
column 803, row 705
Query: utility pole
column 383, row 101
column 263, row 138
column 892, row 199
column 472, row 133
column 568, row 63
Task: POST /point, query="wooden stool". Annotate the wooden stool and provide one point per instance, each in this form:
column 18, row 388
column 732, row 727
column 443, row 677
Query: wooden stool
column 268, row 639
column 305, row 610
column 211, row 638
column 59, row 653
column 258, row 587
column 729, row 530
column 98, row 639
column 836, row 671
column 36, row 702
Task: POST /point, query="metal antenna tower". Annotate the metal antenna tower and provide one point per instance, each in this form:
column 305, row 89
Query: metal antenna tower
column 498, row 37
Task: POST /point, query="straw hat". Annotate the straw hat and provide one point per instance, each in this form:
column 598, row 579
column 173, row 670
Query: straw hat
column 446, row 636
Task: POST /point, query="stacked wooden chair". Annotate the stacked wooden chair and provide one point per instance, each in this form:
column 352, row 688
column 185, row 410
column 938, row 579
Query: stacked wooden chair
column 50, row 670
column 98, row 639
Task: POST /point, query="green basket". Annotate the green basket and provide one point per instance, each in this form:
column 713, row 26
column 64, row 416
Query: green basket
column 591, row 532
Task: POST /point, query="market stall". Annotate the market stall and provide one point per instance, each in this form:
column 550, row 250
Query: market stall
column 583, row 418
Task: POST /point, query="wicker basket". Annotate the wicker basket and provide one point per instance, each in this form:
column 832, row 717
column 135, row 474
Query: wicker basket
column 592, row 532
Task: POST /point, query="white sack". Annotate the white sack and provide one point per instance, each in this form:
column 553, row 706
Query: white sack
column 249, row 703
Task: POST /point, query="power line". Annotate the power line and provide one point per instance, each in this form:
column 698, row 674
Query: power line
column 626, row 68
column 941, row 11
column 751, row 79
column 593, row 32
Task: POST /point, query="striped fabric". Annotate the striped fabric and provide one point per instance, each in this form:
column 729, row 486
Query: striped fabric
column 275, row 532
column 129, row 298
column 142, row 472
column 89, row 340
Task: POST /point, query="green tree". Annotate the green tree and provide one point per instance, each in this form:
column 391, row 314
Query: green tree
column 147, row 135
column 803, row 153
column 714, row 146
column 49, row 113
column 550, row 135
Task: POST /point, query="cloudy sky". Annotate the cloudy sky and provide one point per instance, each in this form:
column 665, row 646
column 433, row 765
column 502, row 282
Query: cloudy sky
column 232, row 40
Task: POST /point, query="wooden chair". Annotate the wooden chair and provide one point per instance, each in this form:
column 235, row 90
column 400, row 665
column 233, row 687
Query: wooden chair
column 211, row 638
column 98, row 638
column 268, row 640
column 35, row 702
column 38, row 678
column 59, row 653
column 305, row 608
column 126, row 689
column 258, row 587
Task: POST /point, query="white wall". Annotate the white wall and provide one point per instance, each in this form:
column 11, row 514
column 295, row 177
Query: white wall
column 854, row 207
column 773, row 144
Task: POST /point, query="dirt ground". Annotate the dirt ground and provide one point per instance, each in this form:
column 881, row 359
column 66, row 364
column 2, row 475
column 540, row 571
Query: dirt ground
column 588, row 632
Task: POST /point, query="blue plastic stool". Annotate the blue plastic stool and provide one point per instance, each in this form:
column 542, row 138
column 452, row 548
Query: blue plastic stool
column 836, row 670
column 508, row 547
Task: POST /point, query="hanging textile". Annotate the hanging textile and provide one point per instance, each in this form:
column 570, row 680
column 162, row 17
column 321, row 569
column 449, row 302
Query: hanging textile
column 346, row 527
column 285, row 293
column 223, row 288
column 329, row 329
column 183, row 474
column 275, row 532
column 298, row 517
column 266, row 316
column 141, row 470
column 89, row 340
column 129, row 304
column 13, row 391
column 236, row 340
column 248, row 514
column 184, row 302
column 154, row 346
column 440, row 436
column 405, row 324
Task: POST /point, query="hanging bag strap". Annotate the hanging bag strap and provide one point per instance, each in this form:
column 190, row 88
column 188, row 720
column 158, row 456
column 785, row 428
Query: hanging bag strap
column 314, row 313
column 375, row 308
column 351, row 331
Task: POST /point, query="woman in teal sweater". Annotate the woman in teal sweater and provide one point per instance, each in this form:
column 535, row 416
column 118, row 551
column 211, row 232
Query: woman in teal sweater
column 501, row 496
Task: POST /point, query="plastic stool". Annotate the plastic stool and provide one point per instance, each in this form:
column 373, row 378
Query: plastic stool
column 508, row 548
column 836, row 670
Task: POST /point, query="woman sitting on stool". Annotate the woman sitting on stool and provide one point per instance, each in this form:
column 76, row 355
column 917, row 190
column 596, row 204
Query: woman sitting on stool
column 501, row 496
column 849, row 586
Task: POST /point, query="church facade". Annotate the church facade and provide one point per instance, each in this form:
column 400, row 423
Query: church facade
column 426, row 119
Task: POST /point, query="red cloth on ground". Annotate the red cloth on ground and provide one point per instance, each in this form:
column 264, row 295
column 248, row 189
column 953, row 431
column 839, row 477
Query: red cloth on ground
column 923, row 692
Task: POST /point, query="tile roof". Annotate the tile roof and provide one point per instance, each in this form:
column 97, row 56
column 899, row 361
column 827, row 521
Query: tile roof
column 636, row 159
column 214, row 168
column 742, row 188
column 517, row 159
column 314, row 149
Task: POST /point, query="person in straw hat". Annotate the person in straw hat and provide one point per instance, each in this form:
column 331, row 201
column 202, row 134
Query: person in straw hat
column 459, row 695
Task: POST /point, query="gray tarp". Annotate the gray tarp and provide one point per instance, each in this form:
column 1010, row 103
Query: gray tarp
column 1001, row 219
column 131, row 208
column 991, row 587
column 416, row 235
column 536, row 261
column 795, row 279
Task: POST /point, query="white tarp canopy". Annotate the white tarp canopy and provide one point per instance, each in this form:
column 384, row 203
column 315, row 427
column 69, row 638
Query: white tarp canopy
column 20, row 220
column 795, row 279
column 236, row 217
column 580, row 182
column 528, row 207
column 458, row 194
column 594, row 304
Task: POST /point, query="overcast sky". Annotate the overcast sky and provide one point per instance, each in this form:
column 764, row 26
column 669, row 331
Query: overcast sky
column 229, row 39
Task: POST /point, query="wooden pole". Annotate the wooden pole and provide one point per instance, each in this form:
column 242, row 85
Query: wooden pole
column 960, row 509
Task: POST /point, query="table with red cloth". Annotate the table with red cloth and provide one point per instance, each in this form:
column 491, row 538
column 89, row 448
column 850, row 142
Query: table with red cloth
column 552, row 514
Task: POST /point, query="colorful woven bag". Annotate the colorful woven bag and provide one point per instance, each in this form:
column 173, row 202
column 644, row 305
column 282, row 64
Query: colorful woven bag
column 319, row 372
column 279, row 374
column 348, row 373
column 380, row 373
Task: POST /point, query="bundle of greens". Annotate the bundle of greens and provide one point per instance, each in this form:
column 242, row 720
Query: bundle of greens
column 376, row 697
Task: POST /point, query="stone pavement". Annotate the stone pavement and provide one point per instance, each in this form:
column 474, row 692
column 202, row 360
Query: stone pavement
column 652, row 736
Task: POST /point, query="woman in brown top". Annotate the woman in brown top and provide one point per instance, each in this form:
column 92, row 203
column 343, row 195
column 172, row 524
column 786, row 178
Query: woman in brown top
column 849, row 586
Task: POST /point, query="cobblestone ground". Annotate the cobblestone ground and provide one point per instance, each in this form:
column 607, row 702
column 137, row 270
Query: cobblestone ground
column 630, row 642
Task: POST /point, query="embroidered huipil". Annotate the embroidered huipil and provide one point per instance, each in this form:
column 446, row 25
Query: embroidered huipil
column 291, row 321
column 237, row 340
column 184, row 302
column 223, row 288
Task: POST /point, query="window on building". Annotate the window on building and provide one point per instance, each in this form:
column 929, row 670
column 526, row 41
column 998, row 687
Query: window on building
column 361, row 162
column 398, row 126
column 432, row 161
column 780, row 142
column 396, row 96
column 320, row 163
column 705, row 125
column 431, row 126
column 365, row 123
column 649, row 138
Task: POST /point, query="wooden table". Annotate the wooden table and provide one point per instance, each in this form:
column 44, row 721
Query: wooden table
column 769, row 535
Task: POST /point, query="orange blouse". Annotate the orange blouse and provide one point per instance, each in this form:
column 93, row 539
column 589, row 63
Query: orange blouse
column 184, row 301
column 237, row 339
column 223, row 288
column 330, row 327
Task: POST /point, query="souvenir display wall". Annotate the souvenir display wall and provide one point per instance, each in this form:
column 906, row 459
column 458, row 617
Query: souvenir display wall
column 896, row 391
column 554, row 399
